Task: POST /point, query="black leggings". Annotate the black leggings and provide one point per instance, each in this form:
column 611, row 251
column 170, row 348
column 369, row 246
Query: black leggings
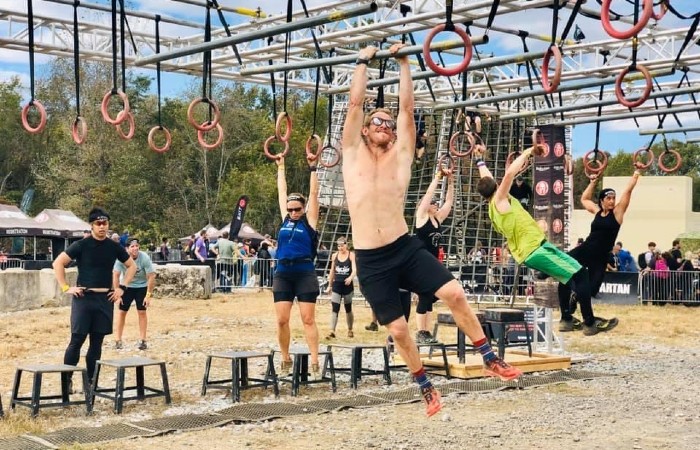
column 336, row 307
column 94, row 352
column 579, row 284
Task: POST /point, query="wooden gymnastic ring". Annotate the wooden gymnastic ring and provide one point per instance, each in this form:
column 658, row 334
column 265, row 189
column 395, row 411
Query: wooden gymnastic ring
column 662, row 166
column 602, row 163
column 645, row 94
column 636, row 156
column 273, row 156
column 512, row 157
column 453, row 144
column 447, row 160
column 334, row 160
column 132, row 127
column 208, row 125
column 647, row 11
column 283, row 117
column 548, row 85
column 459, row 68
column 539, row 144
column 42, row 117
column 310, row 154
column 78, row 130
column 122, row 115
column 662, row 10
column 151, row 139
column 203, row 142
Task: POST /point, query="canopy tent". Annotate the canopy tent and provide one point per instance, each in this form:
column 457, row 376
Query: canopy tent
column 246, row 232
column 65, row 223
column 13, row 222
column 211, row 232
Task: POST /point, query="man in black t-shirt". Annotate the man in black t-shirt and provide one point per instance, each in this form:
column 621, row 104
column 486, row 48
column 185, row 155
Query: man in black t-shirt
column 92, row 311
column 522, row 192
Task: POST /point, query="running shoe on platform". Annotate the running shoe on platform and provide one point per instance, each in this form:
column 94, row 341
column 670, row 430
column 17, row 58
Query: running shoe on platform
column 501, row 369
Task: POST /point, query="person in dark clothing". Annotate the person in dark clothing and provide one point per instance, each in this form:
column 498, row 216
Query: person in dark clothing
column 92, row 311
column 593, row 254
column 264, row 265
column 522, row 192
column 295, row 274
column 676, row 255
column 429, row 218
column 340, row 285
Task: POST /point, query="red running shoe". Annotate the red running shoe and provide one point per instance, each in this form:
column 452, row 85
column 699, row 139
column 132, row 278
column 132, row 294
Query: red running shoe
column 501, row 369
column 431, row 396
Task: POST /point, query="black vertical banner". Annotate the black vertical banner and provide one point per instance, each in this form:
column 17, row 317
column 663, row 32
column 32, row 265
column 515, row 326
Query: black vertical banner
column 549, row 184
column 238, row 216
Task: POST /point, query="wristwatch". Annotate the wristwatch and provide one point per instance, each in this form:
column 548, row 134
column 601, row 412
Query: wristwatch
column 362, row 61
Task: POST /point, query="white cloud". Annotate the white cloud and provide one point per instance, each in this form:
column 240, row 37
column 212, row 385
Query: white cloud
column 7, row 75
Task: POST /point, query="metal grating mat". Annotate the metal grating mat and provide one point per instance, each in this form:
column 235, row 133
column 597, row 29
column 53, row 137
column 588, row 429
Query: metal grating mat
column 87, row 435
column 586, row 374
column 480, row 385
column 21, row 443
column 408, row 395
column 339, row 404
column 183, row 422
column 530, row 381
column 262, row 411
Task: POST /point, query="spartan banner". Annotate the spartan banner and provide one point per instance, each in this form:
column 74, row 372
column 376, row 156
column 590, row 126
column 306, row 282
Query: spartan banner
column 548, row 185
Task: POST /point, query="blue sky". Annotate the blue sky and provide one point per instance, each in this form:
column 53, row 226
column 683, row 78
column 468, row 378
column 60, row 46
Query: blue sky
column 615, row 135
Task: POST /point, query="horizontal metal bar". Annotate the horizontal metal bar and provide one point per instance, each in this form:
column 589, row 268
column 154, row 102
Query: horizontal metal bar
column 349, row 59
column 608, row 102
column 131, row 12
column 668, row 130
column 630, row 115
column 243, row 11
column 260, row 34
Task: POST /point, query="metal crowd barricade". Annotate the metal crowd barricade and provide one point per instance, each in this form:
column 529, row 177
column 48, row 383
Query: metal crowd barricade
column 174, row 255
column 11, row 263
column 659, row 287
column 244, row 272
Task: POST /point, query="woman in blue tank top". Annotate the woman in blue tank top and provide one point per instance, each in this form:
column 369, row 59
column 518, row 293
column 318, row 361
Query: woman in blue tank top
column 295, row 274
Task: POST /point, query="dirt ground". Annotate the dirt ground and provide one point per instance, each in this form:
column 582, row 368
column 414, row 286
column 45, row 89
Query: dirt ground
column 650, row 403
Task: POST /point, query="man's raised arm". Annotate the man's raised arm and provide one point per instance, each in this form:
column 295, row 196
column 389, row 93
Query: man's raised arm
column 358, row 88
column 405, row 123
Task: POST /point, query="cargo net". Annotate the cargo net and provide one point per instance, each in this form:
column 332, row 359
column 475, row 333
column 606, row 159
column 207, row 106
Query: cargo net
column 256, row 412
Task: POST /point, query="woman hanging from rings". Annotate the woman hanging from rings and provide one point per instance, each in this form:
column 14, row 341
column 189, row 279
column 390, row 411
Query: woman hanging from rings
column 593, row 252
column 295, row 274
column 340, row 279
column 429, row 218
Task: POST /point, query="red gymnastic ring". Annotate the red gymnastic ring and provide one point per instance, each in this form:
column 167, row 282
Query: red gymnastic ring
column 132, row 127
column 122, row 115
column 286, row 118
column 548, row 85
column 335, row 156
column 539, row 144
column 648, row 9
column 512, row 156
column 78, row 130
column 636, row 158
column 310, row 154
column 662, row 10
column 459, row 68
column 42, row 117
column 645, row 94
column 453, row 144
column 600, row 163
column 151, row 139
column 203, row 142
column 673, row 153
column 208, row 125
column 446, row 161
column 273, row 156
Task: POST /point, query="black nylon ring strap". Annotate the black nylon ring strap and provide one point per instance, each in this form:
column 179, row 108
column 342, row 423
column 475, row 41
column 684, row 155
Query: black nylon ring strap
column 421, row 64
column 319, row 52
column 605, row 55
column 270, row 40
column 287, row 46
column 330, row 99
column 222, row 19
column 675, row 12
column 492, row 15
column 449, row 26
column 160, row 122
column 122, row 42
column 486, row 77
column 555, row 21
column 76, row 56
column 114, row 46
column 206, row 59
column 30, row 33
column 570, row 22
column 316, row 91
column 688, row 37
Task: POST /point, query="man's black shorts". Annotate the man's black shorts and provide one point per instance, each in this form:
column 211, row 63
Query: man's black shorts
column 91, row 313
column 405, row 263
column 137, row 294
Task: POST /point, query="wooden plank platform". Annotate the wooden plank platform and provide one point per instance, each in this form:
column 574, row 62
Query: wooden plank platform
column 472, row 368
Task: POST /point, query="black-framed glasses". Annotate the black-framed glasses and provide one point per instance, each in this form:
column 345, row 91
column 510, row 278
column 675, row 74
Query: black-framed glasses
column 378, row 121
column 291, row 210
